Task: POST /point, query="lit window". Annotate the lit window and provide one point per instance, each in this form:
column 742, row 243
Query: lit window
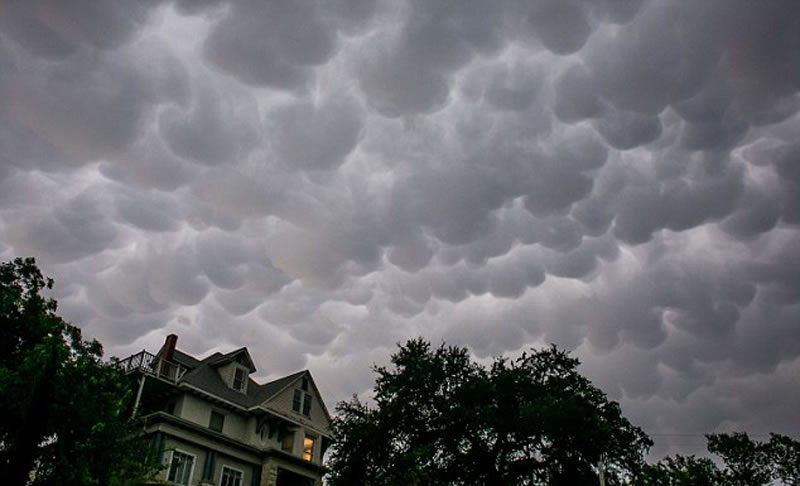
column 180, row 468
column 308, row 448
column 238, row 379
column 217, row 421
column 230, row 477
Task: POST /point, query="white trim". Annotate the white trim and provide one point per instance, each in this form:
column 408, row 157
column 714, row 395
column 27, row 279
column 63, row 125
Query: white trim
column 222, row 473
column 169, row 465
column 212, row 396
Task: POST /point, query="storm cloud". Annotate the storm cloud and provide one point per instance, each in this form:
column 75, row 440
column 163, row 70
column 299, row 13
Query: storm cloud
column 319, row 180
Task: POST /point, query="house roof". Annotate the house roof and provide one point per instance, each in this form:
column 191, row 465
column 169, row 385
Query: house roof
column 241, row 356
column 202, row 374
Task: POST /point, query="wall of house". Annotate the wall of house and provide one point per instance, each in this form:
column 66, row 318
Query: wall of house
column 273, row 465
column 316, row 419
column 197, row 410
column 200, row 453
column 248, row 470
column 226, row 372
column 171, row 445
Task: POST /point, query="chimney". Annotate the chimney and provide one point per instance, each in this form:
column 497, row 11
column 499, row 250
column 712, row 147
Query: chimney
column 169, row 347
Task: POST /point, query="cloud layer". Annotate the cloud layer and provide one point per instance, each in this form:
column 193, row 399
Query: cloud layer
column 319, row 180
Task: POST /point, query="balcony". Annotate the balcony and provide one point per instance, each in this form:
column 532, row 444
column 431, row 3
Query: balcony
column 152, row 365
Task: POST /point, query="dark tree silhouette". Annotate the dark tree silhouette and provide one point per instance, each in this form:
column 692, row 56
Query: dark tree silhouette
column 65, row 416
column 441, row 419
column 745, row 462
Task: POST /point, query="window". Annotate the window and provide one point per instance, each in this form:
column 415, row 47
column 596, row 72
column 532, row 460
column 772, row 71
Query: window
column 304, row 386
column 301, row 401
column 287, row 444
column 230, row 477
column 238, row 379
column 308, row 448
column 180, row 468
column 217, row 421
column 296, row 402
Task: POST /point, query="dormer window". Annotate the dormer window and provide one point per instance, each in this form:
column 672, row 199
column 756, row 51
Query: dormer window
column 239, row 379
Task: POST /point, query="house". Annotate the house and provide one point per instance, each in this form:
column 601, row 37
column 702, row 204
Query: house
column 215, row 425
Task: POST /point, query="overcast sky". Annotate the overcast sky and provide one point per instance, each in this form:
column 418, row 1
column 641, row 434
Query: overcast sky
column 320, row 180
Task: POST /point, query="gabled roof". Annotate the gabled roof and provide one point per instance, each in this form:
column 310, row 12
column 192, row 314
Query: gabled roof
column 203, row 376
column 185, row 360
column 241, row 356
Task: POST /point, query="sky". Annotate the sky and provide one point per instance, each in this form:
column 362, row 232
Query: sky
column 319, row 180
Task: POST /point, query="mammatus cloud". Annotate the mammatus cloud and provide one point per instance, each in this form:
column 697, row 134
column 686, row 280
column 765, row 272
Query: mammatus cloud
column 319, row 180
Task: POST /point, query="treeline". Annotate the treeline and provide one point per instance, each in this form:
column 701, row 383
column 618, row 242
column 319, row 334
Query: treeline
column 745, row 462
column 439, row 418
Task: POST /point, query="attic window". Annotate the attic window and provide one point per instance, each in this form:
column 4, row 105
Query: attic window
column 238, row 379
column 301, row 401
column 304, row 385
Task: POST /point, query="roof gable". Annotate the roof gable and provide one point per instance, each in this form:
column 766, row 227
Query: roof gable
column 240, row 356
column 281, row 399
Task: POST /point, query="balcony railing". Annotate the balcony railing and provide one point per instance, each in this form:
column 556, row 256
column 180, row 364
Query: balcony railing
column 153, row 365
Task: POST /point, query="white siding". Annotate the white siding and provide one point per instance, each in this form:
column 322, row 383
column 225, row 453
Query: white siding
column 197, row 410
column 283, row 404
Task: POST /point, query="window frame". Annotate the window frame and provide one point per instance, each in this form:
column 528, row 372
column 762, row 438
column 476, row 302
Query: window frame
column 211, row 420
column 238, row 369
column 191, row 469
column 233, row 469
column 297, row 400
column 307, row 404
column 308, row 454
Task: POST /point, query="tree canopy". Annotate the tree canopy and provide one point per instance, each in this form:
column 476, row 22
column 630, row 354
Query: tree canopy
column 65, row 416
column 743, row 462
column 439, row 418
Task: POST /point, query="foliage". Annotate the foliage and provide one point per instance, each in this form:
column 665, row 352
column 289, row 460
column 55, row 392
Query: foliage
column 745, row 463
column 682, row 471
column 441, row 419
column 65, row 416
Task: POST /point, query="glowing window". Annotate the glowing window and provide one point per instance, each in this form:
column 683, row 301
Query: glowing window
column 308, row 448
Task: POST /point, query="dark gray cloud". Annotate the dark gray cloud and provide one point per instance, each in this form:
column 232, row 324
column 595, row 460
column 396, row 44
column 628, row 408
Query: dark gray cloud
column 319, row 180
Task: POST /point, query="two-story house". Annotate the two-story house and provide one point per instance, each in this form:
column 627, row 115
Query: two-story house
column 214, row 425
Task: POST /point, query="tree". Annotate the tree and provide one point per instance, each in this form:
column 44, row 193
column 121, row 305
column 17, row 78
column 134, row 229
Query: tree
column 682, row 471
column 439, row 418
column 745, row 462
column 785, row 455
column 65, row 416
